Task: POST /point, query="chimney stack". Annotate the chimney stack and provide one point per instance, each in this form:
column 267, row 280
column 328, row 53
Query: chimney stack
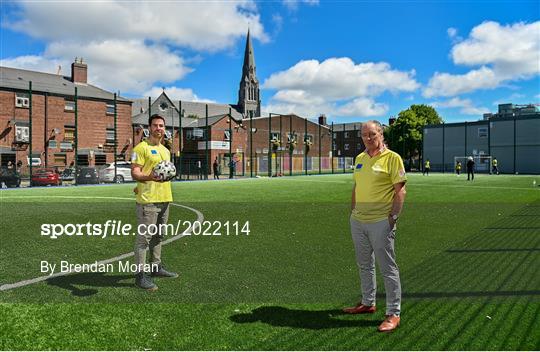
column 322, row 120
column 79, row 71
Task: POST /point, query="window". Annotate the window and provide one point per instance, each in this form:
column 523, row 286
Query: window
column 346, row 147
column 482, row 132
column 68, row 146
column 359, row 133
column 82, row 160
column 189, row 134
column 146, row 133
column 334, row 146
column 359, row 146
column 69, row 133
column 308, row 138
column 163, row 106
column 275, row 136
column 22, row 100
column 69, row 105
column 226, row 135
column 335, row 135
column 101, row 159
column 168, row 134
column 289, row 137
column 110, row 135
column 110, row 109
column 60, row 159
column 346, row 135
column 198, row 133
column 53, row 144
column 22, row 134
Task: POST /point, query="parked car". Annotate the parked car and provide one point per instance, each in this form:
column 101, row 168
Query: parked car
column 123, row 172
column 45, row 177
column 68, row 174
column 9, row 177
column 87, row 175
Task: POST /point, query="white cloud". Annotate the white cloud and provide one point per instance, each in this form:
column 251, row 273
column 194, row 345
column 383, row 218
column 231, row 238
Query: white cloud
column 363, row 107
column 294, row 4
column 38, row 63
column 452, row 32
column 130, row 46
column 446, row 84
column 466, row 106
column 505, row 53
column 175, row 94
column 337, row 85
column 341, row 78
column 179, row 23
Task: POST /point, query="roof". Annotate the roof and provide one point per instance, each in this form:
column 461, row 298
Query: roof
column 353, row 126
column 142, row 119
column 19, row 79
column 194, row 108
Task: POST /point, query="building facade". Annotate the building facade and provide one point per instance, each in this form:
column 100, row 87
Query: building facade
column 51, row 111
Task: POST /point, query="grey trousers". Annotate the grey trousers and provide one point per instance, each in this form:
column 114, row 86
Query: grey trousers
column 375, row 241
column 150, row 214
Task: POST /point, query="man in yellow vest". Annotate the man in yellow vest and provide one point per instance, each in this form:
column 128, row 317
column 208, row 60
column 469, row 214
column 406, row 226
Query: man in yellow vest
column 153, row 199
column 427, row 167
column 495, row 167
column 377, row 200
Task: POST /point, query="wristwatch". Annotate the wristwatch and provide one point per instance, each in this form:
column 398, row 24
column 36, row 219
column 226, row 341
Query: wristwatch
column 395, row 217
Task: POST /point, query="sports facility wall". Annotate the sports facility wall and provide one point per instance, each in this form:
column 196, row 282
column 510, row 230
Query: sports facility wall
column 514, row 142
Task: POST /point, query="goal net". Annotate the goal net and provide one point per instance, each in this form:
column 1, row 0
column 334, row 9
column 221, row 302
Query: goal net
column 482, row 163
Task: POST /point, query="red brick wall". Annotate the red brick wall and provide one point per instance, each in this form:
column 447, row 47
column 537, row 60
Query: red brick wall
column 92, row 124
column 260, row 138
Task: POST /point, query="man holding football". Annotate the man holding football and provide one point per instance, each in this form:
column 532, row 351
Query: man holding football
column 377, row 199
column 153, row 198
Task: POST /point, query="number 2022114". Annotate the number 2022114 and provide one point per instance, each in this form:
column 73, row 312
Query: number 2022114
column 216, row 228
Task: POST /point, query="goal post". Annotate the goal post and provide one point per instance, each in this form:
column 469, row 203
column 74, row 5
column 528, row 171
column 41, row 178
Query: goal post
column 482, row 163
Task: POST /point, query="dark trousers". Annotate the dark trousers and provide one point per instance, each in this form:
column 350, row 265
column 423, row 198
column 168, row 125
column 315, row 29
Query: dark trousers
column 470, row 175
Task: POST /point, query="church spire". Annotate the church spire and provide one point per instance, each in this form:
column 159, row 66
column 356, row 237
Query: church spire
column 249, row 102
column 249, row 58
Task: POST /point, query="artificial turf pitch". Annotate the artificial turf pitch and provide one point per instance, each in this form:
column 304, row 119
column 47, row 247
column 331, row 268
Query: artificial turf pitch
column 468, row 253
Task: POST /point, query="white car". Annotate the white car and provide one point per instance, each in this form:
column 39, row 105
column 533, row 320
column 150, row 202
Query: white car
column 123, row 172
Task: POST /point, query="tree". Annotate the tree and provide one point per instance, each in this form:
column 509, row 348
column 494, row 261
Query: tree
column 405, row 135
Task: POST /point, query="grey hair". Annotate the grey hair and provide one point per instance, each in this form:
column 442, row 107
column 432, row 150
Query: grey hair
column 377, row 125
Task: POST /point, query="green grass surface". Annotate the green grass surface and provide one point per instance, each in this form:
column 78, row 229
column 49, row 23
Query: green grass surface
column 468, row 253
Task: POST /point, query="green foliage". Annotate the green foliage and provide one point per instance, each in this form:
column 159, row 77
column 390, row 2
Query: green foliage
column 405, row 135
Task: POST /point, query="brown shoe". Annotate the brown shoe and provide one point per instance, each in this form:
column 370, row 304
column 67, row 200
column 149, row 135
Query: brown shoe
column 360, row 309
column 390, row 323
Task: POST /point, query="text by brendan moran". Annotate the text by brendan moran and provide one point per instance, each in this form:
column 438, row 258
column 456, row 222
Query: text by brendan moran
column 119, row 267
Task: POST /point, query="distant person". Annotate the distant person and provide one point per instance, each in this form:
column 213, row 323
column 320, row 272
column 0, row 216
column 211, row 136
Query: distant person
column 199, row 169
column 458, row 168
column 215, row 169
column 494, row 166
column 232, row 165
column 427, row 167
column 377, row 200
column 470, row 169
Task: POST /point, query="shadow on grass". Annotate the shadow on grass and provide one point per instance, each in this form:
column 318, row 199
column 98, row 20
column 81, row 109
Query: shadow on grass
column 71, row 282
column 303, row 319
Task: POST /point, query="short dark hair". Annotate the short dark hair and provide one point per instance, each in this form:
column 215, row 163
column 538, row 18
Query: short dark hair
column 155, row 116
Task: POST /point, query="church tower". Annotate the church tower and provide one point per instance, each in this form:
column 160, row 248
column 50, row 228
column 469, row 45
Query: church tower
column 249, row 102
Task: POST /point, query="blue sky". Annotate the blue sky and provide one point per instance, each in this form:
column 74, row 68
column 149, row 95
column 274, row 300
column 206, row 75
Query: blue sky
column 351, row 60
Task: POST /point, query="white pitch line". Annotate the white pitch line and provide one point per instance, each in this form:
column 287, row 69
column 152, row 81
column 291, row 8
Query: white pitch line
column 5, row 287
